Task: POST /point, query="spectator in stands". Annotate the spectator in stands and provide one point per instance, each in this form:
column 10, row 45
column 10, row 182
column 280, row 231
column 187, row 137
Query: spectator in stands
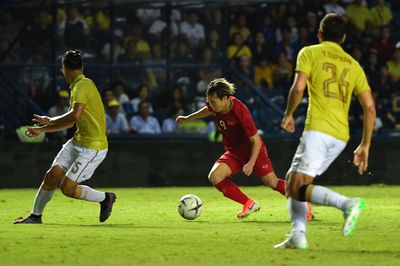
column 384, row 44
column 333, row 7
column 73, row 30
column 115, row 120
column 143, row 95
column 118, row 47
column 120, row 95
column 213, row 18
column 60, row 108
column 269, row 30
column 311, row 24
column 394, row 66
column 259, row 49
column 107, row 96
column 264, row 74
column 359, row 17
column 39, row 35
column 169, row 124
column 36, row 80
column 286, row 46
column 144, row 123
column 284, row 71
column 237, row 48
column 156, row 75
column 142, row 46
column 290, row 28
column 193, row 30
column 214, row 43
column 380, row 15
column 129, row 76
column 240, row 27
column 148, row 15
column 372, row 68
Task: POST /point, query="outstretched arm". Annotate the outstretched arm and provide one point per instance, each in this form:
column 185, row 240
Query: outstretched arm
column 361, row 154
column 58, row 123
column 203, row 112
column 295, row 95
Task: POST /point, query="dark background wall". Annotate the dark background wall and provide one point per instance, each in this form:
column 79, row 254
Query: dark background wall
column 187, row 163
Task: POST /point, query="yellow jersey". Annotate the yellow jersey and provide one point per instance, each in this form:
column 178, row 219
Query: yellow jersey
column 91, row 126
column 333, row 76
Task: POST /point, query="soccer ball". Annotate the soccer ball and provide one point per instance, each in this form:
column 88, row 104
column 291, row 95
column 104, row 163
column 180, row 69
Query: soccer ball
column 190, row 206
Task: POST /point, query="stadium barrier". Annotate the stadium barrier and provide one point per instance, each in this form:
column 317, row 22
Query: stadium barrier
column 139, row 163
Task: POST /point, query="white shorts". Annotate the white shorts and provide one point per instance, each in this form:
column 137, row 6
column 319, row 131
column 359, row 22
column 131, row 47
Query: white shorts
column 316, row 151
column 78, row 162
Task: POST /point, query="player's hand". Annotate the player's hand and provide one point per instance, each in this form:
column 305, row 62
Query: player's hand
column 180, row 119
column 360, row 159
column 42, row 120
column 287, row 123
column 33, row 132
column 248, row 169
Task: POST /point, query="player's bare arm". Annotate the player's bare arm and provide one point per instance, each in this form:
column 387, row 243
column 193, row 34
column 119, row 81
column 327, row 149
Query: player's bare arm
column 255, row 150
column 295, row 95
column 54, row 124
column 362, row 152
column 202, row 113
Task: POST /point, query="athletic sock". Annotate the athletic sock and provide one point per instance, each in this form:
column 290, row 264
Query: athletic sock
column 297, row 214
column 42, row 197
column 231, row 191
column 324, row 196
column 281, row 186
column 90, row 194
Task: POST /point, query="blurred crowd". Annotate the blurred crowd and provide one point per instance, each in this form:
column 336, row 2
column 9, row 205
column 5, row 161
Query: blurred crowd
column 161, row 60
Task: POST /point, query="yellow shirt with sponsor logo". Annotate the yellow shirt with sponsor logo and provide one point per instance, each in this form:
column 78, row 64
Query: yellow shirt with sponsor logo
column 333, row 76
column 91, row 126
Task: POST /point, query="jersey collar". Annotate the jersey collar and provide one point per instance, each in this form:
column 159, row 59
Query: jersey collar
column 332, row 44
column 78, row 78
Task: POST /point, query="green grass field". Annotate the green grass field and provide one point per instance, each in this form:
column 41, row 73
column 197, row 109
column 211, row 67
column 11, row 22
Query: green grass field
column 145, row 229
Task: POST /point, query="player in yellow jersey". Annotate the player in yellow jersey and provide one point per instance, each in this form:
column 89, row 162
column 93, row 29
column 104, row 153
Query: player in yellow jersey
column 81, row 155
column 332, row 76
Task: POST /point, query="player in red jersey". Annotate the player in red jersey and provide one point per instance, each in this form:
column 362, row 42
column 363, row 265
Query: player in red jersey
column 244, row 148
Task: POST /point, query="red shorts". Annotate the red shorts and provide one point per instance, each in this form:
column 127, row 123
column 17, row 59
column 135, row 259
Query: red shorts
column 236, row 160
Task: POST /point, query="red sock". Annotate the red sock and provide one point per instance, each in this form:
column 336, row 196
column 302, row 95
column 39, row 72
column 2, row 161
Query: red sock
column 231, row 191
column 280, row 186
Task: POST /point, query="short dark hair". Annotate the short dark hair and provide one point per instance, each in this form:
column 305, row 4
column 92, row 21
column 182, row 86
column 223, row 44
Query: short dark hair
column 333, row 27
column 72, row 59
column 221, row 87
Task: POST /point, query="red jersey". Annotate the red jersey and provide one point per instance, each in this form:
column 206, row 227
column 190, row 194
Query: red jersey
column 236, row 126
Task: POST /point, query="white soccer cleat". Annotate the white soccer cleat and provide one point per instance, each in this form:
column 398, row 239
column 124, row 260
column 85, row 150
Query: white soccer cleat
column 294, row 241
column 351, row 216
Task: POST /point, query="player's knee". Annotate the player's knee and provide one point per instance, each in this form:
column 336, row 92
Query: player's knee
column 67, row 190
column 51, row 180
column 214, row 178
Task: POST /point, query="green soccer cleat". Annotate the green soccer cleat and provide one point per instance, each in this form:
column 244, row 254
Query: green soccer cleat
column 351, row 216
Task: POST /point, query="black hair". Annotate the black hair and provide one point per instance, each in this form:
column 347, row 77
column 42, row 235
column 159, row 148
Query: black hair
column 72, row 60
column 333, row 27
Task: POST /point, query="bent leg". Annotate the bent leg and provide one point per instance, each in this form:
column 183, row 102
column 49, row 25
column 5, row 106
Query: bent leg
column 219, row 177
column 72, row 189
column 272, row 181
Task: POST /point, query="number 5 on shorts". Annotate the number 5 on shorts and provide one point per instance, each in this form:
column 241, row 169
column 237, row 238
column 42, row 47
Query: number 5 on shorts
column 76, row 167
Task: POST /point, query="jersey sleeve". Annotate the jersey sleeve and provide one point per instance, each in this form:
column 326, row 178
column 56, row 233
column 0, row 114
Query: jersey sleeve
column 245, row 119
column 80, row 93
column 303, row 63
column 361, row 84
